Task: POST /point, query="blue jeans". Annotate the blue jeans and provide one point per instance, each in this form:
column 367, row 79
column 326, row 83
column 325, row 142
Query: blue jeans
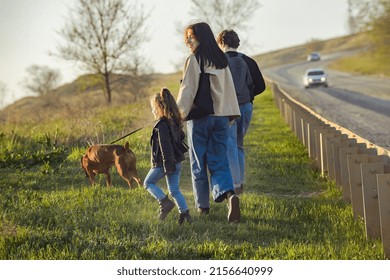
column 156, row 174
column 236, row 153
column 207, row 141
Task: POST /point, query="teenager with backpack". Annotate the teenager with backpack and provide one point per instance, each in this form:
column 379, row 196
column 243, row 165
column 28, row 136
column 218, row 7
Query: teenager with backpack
column 248, row 82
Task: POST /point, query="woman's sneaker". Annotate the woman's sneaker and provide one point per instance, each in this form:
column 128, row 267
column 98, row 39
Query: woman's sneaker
column 234, row 213
column 203, row 211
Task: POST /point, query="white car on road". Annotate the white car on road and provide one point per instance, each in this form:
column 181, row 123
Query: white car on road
column 314, row 56
column 315, row 77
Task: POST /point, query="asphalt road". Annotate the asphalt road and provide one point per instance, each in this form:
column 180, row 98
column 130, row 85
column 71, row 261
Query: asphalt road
column 359, row 103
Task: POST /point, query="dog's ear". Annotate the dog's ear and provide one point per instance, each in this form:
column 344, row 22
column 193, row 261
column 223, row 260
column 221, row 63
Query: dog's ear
column 127, row 146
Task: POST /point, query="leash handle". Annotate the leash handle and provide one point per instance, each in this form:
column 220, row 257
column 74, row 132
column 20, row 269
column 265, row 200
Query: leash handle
column 128, row 134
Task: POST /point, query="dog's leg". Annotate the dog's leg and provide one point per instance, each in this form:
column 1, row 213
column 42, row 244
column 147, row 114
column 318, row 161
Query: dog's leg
column 126, row 177
column 123, row 170
column 108, row 179
column 131, row 175
column 88, row 173
column 91, row 177
column 138, row 180
column 134, row 175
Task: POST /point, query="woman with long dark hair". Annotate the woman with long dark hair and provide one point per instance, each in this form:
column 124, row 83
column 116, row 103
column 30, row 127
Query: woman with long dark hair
column 208, row 135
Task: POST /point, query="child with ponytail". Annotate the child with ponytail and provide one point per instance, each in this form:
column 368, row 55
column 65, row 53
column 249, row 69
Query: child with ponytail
column 167, row 153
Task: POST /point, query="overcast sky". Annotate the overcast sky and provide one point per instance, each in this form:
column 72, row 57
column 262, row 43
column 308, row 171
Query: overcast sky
column 28, row 31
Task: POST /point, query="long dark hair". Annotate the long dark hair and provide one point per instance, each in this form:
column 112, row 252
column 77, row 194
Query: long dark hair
column 208, row 49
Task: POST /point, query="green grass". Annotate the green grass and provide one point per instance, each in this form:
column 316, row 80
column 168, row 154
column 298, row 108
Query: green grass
column 49, row 211
column 368, row 63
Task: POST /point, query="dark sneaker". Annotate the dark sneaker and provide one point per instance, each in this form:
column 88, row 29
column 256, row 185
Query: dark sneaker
column 234, row 214
column 185, row 217
column 166, row 205
column 203, row 211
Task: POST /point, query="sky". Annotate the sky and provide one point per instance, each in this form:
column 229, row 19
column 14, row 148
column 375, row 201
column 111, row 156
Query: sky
column 29, row 31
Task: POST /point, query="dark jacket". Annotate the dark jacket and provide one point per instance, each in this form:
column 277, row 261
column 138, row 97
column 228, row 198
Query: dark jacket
column 164, row 145
column 257, row 78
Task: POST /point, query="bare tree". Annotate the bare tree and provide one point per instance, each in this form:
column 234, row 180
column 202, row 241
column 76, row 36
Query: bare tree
column 352, row 22
column 3, row 93
column 41, row 79
column 380, row 25
column 223, row 14
column 359, row 15
column 372, row 16
column 104, row 36
column 220, row 15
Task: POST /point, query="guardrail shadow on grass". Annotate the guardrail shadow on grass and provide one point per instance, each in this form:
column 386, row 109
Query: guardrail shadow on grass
column 360, row 168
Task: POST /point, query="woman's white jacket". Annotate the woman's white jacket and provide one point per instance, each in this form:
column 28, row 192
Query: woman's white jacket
column 222, row 89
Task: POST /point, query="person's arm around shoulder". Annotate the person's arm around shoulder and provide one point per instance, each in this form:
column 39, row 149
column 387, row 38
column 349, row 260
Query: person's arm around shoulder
column 189, row 85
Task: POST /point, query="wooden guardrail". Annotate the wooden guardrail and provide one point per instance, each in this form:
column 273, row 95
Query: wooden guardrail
column 359, row 167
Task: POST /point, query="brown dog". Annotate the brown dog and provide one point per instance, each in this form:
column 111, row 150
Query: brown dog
column 99, row 158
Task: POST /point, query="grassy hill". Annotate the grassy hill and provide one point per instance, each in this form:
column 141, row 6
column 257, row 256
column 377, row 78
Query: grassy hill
column 84, row 94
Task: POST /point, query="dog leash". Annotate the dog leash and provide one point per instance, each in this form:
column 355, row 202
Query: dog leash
column 134, row 131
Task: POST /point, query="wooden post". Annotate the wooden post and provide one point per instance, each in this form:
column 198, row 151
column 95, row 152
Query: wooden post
column 369, row 172
column 384, row 210
column 287, row 113
column 355, row 179
column 311, row 141
column 317, row 137
column 318, row 144
column 336, row 157
column 331, row 162
column 330, row 133
column 345, row 180
column 295, row 118
column 303, row 132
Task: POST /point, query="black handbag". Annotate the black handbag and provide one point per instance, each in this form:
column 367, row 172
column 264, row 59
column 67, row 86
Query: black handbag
column 203, row 102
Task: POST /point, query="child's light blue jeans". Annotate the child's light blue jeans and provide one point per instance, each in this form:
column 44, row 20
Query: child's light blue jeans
column 156, row 174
